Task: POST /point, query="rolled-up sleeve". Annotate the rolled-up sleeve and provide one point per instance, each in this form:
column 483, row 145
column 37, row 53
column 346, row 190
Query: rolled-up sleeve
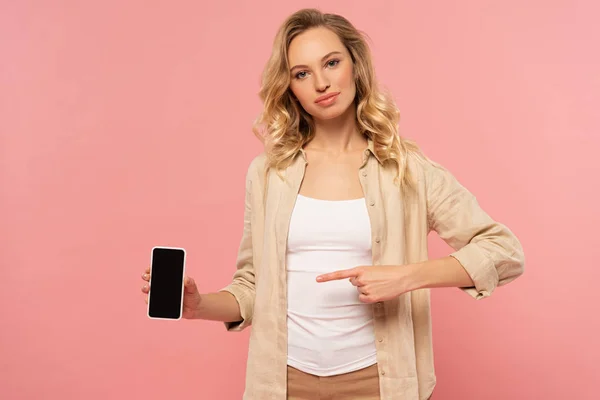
column 488, row 250
column 242, row 285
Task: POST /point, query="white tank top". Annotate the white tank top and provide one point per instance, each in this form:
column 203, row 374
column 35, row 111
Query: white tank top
column 330, row 331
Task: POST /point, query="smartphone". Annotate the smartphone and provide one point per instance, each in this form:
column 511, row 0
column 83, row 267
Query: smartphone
column 167, row 271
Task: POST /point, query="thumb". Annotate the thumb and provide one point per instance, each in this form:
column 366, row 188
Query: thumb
column 190, row 285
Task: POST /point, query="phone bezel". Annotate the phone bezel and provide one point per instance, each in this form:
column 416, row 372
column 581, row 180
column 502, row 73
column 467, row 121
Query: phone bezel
column 182, row 282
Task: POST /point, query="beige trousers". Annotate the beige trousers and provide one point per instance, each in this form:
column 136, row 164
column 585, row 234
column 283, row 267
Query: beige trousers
column 358, row 385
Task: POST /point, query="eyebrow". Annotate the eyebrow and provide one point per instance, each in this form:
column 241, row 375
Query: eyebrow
column 322, row 59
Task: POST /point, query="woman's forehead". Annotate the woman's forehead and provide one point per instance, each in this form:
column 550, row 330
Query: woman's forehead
column 311, row 46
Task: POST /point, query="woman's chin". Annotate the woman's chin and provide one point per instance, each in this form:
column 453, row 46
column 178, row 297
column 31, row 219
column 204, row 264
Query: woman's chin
column 330, row 113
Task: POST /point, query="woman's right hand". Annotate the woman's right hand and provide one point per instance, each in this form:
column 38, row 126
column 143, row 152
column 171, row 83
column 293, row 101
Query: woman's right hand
column 191, row 295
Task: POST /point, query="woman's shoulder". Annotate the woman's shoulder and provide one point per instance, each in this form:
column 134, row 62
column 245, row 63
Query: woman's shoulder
column 433, row 174
column 257, row 163
column 426, row 170
column 256, row 168
column 418, row 159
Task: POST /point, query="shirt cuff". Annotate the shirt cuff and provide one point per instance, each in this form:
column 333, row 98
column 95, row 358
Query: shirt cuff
column 480, row 268
column 246, row 307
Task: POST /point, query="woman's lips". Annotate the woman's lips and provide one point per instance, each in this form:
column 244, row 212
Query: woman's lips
column 327, row 99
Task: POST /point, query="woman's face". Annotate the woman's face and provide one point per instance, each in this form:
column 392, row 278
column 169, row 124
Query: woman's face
column 321, row 66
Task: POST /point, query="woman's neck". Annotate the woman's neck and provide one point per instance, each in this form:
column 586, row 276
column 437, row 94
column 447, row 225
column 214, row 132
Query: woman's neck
column 339, row 134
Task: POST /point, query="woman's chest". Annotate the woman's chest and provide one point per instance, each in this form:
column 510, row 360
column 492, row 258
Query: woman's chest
column 332, row 179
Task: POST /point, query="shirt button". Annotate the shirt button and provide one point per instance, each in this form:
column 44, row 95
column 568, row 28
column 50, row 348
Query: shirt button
column 377, row 240
column 364, row 173
column 372, row 203
column 380, row 340
column 378, row 305
column 382, row 372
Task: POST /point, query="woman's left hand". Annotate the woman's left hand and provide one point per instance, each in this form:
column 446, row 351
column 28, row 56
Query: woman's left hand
column 377, row 282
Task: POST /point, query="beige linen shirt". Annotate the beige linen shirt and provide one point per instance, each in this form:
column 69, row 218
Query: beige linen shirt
column 488, row 250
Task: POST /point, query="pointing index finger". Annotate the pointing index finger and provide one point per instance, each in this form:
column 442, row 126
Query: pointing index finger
column 343, row 274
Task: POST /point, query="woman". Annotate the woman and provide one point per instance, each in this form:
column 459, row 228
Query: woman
column 332, row 270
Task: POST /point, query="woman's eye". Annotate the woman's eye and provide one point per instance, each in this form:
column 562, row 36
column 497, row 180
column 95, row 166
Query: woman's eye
column 330, row 63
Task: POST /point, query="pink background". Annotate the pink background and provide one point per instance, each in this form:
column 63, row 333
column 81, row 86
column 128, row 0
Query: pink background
column 112, row 114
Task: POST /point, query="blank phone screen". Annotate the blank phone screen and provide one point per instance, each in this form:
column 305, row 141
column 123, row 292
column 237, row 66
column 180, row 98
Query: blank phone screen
column 166, row 283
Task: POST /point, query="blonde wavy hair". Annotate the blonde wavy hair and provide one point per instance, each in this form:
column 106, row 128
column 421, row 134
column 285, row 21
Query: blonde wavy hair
column 284, row 127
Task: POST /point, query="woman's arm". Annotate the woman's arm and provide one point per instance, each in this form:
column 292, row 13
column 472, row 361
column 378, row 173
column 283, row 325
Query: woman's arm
column 221, row 306
column 442, row 272
column 490, row 254
column 241, row 289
